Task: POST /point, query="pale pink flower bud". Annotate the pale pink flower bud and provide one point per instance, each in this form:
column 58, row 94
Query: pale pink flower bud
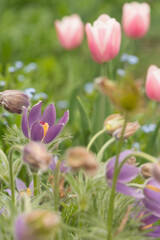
column 70, row 31
column 104, row 38
column 153, row 83
column 136, row 19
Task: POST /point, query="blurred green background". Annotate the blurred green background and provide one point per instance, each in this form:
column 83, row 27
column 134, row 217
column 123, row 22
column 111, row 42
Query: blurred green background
column 32, row 59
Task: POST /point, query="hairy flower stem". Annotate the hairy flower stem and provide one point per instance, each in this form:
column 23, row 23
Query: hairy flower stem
column 56, row 188
column 10, row 158
column 95, row 137
column 103, row 148
column 35, row 181
column 115, row 176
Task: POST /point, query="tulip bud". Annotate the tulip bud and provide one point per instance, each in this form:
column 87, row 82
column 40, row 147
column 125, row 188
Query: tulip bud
column 130, row 129
column 36, row 225
column 101, row 38
column 136, row 19
column 79, row 157
column 36, row 155
column 14, row 101
column 113, row 122
column 146, row 170
column 152, row 83
column 156, row 171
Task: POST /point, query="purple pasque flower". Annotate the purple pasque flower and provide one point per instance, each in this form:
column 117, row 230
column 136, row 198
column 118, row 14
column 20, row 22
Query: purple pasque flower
column 42, row 126
column 22, row 188
column 152, row 196
column 62, row 167
column 127, row 173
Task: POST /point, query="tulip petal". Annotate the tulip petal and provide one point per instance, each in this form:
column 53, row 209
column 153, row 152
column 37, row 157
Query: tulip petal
column 25, row 122
column 65, row 118
column 20, row 185
column 37, row 132
column 53, row 132
column 34, row 114
column 49, row 115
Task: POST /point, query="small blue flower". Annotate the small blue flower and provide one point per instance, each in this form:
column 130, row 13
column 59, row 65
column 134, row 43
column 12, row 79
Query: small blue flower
column 89, row 88
column 148, row 128
column 2, row 83
column 133, row 59
column 38, row 96
column 21, row 78
column 121, row 72
column 18, row 64
column 11, row 69
column 124, row 57
column 30, row 67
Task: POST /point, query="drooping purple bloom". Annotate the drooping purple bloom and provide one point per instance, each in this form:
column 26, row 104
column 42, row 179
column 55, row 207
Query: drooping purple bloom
column 152, row 196
column 63, row 167
column 127, row 173
column 42, row 126
column 22, row 188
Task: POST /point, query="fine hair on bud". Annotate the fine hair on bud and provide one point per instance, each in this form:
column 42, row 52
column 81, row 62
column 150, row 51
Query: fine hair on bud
column 113, row 122
column 146, row 170
column 80, row 158
column 36, row 155
column 156, row 171
column 130, row 129
column 13, row 101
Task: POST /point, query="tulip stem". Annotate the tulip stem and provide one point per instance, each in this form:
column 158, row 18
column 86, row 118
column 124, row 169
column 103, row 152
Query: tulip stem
column 115, row 176
column 10, row 158
column 103, row 148
column 95, row 137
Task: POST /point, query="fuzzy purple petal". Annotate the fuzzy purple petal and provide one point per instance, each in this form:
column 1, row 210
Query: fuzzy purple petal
column 131, row 191
column 122, row 188
column 127, row 173
column 21, row 228
column 52, row 133
column 155, row 232
column 152, row 206
column 52, row 166
column 63, row 167
column 37, row 132
column 149, row 219
column 8, row 191
column 20, row 185
column 25, row 122
column 31, row 185
column 65, row 118
column 34, row 114
column 49, row 115
column 122, row 156
column 152, row 194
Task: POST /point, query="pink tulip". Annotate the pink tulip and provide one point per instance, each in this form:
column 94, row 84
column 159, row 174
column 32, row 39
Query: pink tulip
column 104, row 38
column 153, row 83
column 136, row 19
column 70, row 31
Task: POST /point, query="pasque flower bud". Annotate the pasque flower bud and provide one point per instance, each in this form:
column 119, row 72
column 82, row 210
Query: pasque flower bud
column 130, row 129
column 113, row 122
column 36, row 225
column 79, row 157
column 156, row 171
column 146, row 170
column 14, row 101
column 36, row 155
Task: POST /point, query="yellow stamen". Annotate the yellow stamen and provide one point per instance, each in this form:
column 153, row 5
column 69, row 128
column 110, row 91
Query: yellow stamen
column 147, row 226
column 45, row 127
column 153, row 188
column 27, row 191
